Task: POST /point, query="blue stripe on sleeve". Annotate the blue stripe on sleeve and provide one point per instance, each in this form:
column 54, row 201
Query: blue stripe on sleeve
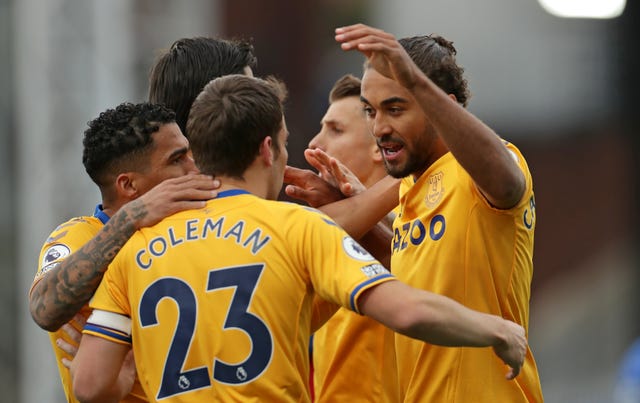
column 354, row 293
column 108, row 332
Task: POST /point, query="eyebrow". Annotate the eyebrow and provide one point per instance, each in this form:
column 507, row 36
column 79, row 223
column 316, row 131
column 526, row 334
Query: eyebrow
column 178, row 152
column 386, row 102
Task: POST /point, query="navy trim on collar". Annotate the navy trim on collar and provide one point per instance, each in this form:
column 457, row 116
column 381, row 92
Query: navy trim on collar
column 100, row 214
column 232, row 192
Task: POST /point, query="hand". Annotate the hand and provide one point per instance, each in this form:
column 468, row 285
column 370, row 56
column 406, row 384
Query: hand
column 513, row 349
column 383, row 52
column 334, row 172
column 74, row 335
column 171, row 196
column 309, row 187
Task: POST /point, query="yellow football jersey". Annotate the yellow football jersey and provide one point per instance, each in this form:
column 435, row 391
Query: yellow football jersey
column 220, row 299
column 354, row 360
column 449, row 240
column 349, row 345
column 63, row 241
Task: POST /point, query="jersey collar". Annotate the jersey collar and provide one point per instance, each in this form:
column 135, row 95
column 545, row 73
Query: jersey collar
column 100, row 214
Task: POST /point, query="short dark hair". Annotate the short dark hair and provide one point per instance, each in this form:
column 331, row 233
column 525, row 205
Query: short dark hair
column 118, row 139
column 436, row 57
column 229, row 120
column 182, row 71
column 345, row 87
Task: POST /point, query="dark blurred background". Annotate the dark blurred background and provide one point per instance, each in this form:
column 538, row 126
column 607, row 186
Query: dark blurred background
column 563, row 90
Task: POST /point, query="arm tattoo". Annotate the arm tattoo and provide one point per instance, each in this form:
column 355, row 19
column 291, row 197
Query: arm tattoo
column 62, row 292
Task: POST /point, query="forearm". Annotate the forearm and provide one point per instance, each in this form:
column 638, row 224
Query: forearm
column 429, row 317
column 360, row 213
column 446, row 322
column 474, row 144
column 64, row 290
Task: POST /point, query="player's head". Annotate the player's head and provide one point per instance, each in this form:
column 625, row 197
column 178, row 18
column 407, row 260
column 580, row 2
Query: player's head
column 407, row 139
column 133, row 147
column 344, row 133
column 182, row 71
column 436, row 57
column 237, row 120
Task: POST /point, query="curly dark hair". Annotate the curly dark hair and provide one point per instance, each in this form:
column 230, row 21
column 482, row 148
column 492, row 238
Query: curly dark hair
column 436, row 57
column 182, row 71
column 118, row 139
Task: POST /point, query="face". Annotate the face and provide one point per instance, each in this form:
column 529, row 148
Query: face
column 279, row 163
column 170, row 157
column 403, row 133
column 344, row 135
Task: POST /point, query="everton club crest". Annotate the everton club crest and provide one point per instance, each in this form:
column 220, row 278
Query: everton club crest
column 435, row 190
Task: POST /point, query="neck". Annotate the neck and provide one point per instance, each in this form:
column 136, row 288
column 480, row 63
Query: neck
column 253, row 183
column 374, row 176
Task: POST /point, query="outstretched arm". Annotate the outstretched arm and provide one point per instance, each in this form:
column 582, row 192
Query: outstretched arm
column 476, row 146
column 61, row 292
column 439, row 320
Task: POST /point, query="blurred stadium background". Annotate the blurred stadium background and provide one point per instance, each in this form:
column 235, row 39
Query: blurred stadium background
column 564, row 90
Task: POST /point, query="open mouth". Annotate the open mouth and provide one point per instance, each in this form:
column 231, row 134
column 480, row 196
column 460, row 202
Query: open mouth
column 390, row 151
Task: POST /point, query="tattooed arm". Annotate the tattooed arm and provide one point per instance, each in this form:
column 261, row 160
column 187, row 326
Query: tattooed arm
column 60, row 293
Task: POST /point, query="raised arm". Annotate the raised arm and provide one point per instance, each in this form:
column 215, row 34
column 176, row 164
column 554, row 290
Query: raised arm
column 61, row 292
column 476, row 146
column 439, row 320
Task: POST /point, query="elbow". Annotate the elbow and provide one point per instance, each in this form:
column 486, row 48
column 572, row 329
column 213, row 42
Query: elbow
column 81, row 390
column 510, row 192
column 84, row 389
column 413, row 322
column 41, row 320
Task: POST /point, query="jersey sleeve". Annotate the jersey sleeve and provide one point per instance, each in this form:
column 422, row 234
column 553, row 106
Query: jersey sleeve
column 112, row 311
column 62, row 242
column 339, row 268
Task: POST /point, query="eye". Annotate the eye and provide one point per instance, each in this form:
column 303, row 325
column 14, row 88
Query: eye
column 368, row 111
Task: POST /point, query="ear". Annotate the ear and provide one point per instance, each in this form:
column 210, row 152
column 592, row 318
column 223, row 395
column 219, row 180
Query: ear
column 266, row 151
column 377, row 154
column 453, row 97
column 126, row 186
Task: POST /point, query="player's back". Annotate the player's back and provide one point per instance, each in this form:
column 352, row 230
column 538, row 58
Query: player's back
column 220, row 298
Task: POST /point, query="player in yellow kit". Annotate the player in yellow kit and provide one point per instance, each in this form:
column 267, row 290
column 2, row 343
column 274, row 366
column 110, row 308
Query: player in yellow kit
column 350, row 343
column 76, row 254
column 235, row 325
column 466, row 223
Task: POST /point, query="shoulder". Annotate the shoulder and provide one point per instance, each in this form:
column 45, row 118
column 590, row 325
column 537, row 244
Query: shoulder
column 76, row 227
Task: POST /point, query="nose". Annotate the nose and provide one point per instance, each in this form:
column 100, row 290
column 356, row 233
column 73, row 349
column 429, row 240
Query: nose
column 316, row 142
column 379, row 126
column 190, row 163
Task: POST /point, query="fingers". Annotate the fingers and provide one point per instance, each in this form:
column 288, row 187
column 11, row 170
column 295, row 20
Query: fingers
column 67, row 347
column 362, row 37
column 299, row 193
column 513, row 372
column 295, row 175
